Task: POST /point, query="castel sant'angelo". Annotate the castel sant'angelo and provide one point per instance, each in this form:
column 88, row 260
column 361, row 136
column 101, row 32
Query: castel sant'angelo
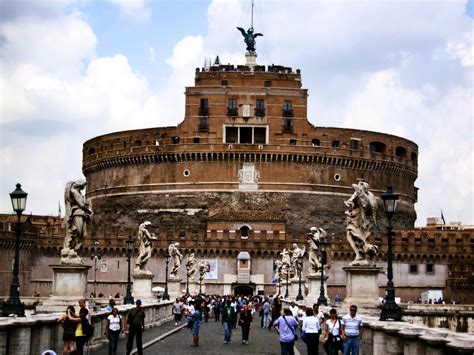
column 244, row 175
column 244, row 171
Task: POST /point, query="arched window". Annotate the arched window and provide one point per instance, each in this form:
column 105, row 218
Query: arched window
column 400, row 152
column 377, row 147
column 244, row 232
column 91, row 151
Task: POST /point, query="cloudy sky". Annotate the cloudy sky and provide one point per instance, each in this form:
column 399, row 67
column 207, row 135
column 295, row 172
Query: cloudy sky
column 72, row 70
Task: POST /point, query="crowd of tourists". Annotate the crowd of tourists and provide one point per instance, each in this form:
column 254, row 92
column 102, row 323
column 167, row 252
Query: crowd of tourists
column 336, row 334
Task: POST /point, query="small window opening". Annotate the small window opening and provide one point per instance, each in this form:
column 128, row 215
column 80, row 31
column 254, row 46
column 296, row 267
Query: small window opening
column 413, row 268
column 315, row 142
column 335, row 144
column 292, row 141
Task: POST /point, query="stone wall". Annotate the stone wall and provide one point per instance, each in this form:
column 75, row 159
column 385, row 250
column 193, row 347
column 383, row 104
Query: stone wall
column 37, row 333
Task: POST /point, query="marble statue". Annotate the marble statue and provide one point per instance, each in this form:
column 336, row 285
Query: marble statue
column 175, row 257
column 203, row 268
column 249, row 38
column 314, row 236
column 297, row 258
column 285, row 263
column 144, row 238
column 78, row 215
column 361, row 216
column 278, row 269
column 191, row 265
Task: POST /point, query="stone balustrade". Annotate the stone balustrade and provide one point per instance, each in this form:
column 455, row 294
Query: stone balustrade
column 37, row 333
column 396, row 338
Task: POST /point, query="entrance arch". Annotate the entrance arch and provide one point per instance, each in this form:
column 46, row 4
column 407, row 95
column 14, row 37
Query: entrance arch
column 244, row 290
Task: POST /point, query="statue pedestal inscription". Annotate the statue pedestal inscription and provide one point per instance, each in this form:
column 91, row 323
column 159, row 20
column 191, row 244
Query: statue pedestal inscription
column 174, row 288
column 142, row 285
column 314, row 288
column 361, row 285
column 69, row 286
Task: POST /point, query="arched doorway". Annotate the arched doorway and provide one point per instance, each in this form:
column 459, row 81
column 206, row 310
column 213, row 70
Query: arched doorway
column 244, row 290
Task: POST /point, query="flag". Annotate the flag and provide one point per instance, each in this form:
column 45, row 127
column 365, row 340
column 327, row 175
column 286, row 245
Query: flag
column 59, row 208
column 442, row 217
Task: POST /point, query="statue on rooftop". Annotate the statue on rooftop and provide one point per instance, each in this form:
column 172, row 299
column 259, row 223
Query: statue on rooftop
column 78, row 215
column 144, row 238
column 249, row 38
column 361, row 216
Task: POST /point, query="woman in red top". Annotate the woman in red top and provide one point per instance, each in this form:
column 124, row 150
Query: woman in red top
column 245, row 322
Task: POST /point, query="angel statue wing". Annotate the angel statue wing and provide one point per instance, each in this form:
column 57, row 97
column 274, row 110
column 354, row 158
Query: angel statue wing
column 243, row 31
column 257, row 34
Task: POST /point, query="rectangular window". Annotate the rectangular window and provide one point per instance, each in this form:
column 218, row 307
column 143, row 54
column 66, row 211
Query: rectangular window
column 287, row 106
column 204, row 108
column 430, row 268
column 231, row 134
column 413, row 268
column 204, row 103
column 260, row 104
column 196, row 140
column 246, row 135
column 355, row 144
column 315, row 142
column 232, row 104
column 260, row 135
column 267, row 83
column 225, row 82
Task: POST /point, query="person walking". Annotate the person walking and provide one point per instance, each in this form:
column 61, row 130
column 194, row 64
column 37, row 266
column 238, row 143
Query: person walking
column 228, row 316
column 311, row 328
column 275, row 312
column 351, row 331
column 177, row 311
column 135, row 323
column 113, row 329
column 286, row 326
column 266, row 313
column 332, row 335
column 245, row 321
column 196, row 322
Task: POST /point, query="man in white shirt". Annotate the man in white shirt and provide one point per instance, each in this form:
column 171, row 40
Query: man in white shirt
column 351, row 329
column 294, row 309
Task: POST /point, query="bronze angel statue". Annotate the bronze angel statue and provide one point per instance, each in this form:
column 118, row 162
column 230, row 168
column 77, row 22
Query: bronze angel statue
column 249, row 38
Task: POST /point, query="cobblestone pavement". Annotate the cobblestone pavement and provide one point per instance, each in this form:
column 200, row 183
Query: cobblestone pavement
column 262, row 341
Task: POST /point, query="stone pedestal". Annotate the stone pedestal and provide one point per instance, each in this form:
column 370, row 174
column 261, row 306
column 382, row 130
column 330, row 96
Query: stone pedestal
column 314, row 288
column 69, row 286
column 251, row 59
column 142, row 285
column 362, row 288
column 175, row 289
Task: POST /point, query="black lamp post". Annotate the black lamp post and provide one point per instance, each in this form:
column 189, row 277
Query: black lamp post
column 299, row 297
column 322, row 300
column 188, row 267
column 97, row 255
column 128, row 299
column 13, row 305
column 288, row 266
column 166, row 296
column 390, row 309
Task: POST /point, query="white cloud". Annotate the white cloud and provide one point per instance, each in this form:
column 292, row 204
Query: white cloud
column 136, row 9
column 463, row 50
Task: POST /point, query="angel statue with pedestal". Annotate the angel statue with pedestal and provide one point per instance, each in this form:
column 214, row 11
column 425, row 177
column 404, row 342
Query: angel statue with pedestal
column 144, row 238
column 78, row 215
column 203, row 268
column 297, row 255
column 361, row 216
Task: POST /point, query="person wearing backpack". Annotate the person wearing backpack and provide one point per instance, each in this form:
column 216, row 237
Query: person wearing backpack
column 135, row 322
column 113, row 330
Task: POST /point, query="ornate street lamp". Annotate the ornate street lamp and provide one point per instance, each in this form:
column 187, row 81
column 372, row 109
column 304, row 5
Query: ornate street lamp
column 288, row 266
column 188, row 267
column 390, row 309
column 299, row 297
column 128, row 299
column 322, row 300
column 166, row 296
column 13, row 305
column 97, row 255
